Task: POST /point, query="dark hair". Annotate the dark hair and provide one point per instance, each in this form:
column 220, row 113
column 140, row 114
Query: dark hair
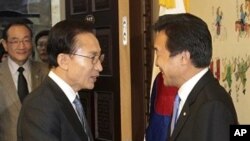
column 62, row 38
column 2, row 51
column 40, row 34
column 187, row 32
column 5, row 31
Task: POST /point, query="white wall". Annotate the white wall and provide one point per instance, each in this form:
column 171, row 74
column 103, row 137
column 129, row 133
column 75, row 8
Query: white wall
column 57, row 11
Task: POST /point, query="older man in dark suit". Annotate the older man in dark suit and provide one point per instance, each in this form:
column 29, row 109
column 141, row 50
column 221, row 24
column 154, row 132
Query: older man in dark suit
column 53, row 111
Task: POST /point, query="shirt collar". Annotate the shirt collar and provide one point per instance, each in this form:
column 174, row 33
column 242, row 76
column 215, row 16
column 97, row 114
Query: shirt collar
column 14, row 66
column 186, row 88
column 66, row 88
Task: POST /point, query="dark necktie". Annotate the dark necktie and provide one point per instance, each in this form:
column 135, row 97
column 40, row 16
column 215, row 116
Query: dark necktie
column 22, row 87
column 175, row 113
column 80, row 113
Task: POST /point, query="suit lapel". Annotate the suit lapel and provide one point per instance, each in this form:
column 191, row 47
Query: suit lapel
column 185, row 113
column 9, row 86
column 37, row 74
column 181, row 121
column 67, row 109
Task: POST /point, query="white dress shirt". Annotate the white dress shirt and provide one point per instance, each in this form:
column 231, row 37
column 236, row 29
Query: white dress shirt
column 13, row 70
column 66, row 88
column 187, row 87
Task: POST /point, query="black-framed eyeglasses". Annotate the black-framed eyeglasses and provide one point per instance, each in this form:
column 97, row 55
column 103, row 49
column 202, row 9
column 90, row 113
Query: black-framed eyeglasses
column 16, row 42
column 94, row 59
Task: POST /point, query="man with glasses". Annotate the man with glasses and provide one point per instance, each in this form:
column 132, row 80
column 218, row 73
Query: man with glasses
column 41, row 40
column 19, row 75
column 53, row 111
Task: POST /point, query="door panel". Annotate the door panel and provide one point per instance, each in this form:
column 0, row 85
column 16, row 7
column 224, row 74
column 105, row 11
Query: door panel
column 102, row 104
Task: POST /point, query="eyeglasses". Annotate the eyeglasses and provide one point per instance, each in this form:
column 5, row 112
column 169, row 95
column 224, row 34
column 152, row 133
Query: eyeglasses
column 41, row 45
column 94, row 59
column 17, row 42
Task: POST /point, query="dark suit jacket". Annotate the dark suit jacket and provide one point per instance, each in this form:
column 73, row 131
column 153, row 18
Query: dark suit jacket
column 10, row 104
column 47, row 115
column 207, row 113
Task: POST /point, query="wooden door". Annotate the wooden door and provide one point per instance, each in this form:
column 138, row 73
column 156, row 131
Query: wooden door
column 102, row 104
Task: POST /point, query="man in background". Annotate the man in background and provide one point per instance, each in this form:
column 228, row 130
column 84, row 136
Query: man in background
column 3, row 53
column 203, row 110
column 18, row 76
column 41, row 40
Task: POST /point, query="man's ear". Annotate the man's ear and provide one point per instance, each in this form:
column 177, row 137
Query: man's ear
column 185, row 56
column 63, row 61
column 4, row 43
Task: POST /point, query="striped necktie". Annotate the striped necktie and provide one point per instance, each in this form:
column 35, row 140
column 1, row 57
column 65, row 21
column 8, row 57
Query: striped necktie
column 82, row 118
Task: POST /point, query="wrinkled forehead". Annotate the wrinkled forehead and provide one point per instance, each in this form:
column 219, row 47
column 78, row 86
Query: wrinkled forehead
column 87, row 42
column 18, row 30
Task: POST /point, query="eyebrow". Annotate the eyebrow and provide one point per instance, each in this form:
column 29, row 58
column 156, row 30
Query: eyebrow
column 95, row 52
column 25, row 37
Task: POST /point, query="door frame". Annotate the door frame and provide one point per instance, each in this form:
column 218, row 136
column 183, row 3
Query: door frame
column 141, row 64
